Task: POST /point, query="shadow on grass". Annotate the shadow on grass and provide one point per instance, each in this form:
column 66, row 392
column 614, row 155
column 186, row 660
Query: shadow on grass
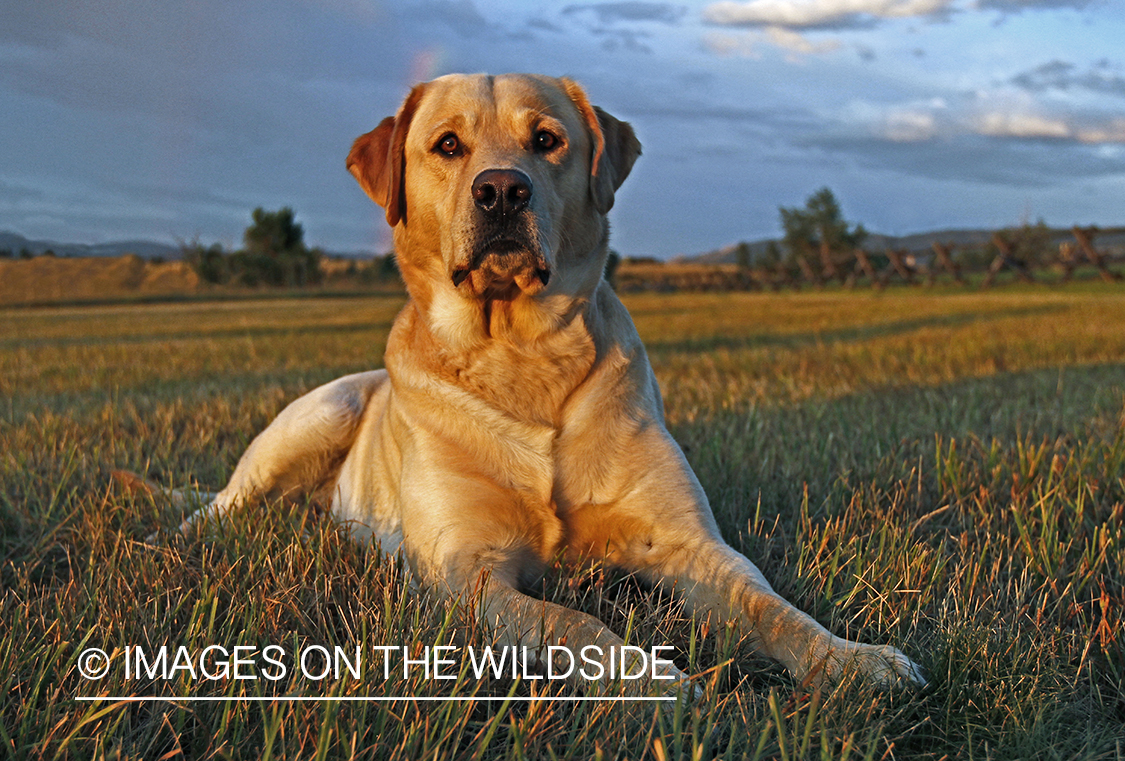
column 381, row 328
column 850, row 334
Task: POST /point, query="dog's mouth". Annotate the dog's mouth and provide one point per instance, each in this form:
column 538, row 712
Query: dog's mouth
column 503, row 268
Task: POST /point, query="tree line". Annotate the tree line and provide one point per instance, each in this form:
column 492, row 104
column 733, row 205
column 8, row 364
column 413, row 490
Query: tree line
column 273, row 253
column 820, row 245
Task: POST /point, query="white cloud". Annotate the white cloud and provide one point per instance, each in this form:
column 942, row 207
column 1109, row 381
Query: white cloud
column 749, row 44
column 791, row 41
column 1111, row 132
column 740, row 45
column 910, row 126
column 1021, row 125
column 819, row 13
column 993, row 114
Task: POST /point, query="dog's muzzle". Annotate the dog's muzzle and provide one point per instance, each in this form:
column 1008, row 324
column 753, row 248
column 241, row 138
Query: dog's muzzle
column 506, row 252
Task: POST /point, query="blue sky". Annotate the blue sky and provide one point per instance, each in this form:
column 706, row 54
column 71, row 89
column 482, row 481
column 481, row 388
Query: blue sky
column 172, row 121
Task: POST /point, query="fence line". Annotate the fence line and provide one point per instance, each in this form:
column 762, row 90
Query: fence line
column 859, row 268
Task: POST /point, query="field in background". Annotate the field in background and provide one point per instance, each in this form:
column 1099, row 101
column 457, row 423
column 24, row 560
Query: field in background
column 941, row 470
column 54, row 280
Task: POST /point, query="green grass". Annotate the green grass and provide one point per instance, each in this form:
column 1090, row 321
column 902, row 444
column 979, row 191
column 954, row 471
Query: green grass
column 939, row 470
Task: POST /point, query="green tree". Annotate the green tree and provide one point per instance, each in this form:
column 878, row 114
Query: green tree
column 742, row 255
column 275, row 251
column 819, row 227
column 1031, row 245
column 210, row 263
column 274, row 233
column 772, row 255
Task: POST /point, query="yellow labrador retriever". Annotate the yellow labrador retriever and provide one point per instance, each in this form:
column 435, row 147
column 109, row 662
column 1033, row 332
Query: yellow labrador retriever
column 518, row 416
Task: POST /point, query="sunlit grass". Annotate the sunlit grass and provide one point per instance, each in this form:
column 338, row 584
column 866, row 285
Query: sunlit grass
column 939, row 470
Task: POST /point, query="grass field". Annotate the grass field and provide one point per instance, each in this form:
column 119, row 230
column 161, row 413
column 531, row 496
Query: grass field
column 938, row 470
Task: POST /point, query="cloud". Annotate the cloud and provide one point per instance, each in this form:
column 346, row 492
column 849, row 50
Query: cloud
column 820, row 14
column 1021, row 125
column 749, row 44
column 732, row 45
column 997, row 115
column 972, row 158
column 627, row 39
column 910, row 126
column 606, row 21
column 461, row 16
column 543, row 24
column 1017, row 6
column 794, row 42
column 609, row 13
column 1062, row 75
column 1110, row 132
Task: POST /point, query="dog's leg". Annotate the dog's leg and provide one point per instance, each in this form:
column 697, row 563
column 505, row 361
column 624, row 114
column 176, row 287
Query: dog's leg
column 517, row 621
column 718, row 580
column 478, row 541
column 664, row 529
column 298, row 450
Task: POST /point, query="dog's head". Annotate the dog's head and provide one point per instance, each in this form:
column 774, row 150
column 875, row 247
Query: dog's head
column 497, row 187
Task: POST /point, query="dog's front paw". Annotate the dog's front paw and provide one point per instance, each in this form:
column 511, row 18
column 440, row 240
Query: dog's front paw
column 888, row 666
column 882, row 665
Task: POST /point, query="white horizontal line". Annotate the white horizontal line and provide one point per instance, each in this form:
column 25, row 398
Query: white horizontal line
column 426, row 699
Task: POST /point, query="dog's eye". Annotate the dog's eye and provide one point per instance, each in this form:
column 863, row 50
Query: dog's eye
column 545, row 141
column 449, row 145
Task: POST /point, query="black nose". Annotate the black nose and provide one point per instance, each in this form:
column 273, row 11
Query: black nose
column 499, row 192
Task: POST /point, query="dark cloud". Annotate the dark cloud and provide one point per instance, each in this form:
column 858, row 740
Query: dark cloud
column 756, row 118
column 461, row 16
column 609, row 13
column 1063, row 75
column 544, row 25
column 14, row 193
column 697, row 80
column 1016, row 6
column 623, row 39
column 1009, row 162
column 190, row 65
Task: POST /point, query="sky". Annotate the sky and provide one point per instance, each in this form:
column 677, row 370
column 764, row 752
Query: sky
column 172, row 121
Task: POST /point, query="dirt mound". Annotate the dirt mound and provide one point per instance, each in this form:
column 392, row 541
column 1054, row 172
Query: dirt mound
column 52, row 279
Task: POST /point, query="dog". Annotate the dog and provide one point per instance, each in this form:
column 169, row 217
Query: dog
column 518, row 418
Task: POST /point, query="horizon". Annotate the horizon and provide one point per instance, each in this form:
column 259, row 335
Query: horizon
column 170, row 124
column 1099, row 229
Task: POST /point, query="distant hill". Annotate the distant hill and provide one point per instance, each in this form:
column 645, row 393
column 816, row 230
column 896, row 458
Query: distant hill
column 146, row 249
column 54, row 279
column 916, row 243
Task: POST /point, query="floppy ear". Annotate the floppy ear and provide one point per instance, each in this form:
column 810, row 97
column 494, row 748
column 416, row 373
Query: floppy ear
column 615, row 148
column 378, row 159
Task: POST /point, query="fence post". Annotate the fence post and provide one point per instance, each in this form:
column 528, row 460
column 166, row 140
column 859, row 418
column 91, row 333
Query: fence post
column 1004, row 258
column 899, row 266
column 945, row 258
column 1085, row 240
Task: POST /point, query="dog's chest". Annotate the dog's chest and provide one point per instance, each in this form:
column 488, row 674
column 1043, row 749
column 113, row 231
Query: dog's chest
column 530, row 383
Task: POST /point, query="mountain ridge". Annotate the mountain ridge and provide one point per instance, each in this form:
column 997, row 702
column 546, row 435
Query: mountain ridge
column 146, row 249
column 911, row 243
